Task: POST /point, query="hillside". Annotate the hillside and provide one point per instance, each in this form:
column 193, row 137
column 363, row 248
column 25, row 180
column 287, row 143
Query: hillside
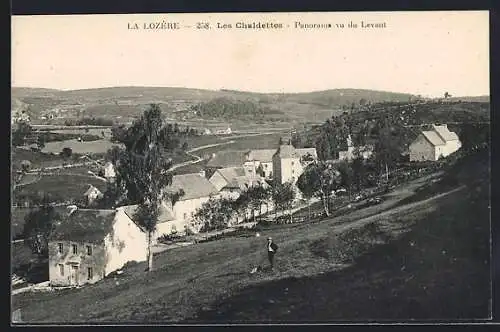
column 124, row 103
column 426, row 260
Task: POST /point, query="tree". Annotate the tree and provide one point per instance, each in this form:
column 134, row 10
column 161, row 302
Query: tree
column 346, row 176
column 358, row 172
column 22, row 131
column 215, row 214
column 39, row 224
column 40, row 142
column 118, row 133
column 66, row 153
column 282, row 195
column 446, row 95
column 387, row 149
column 257, row 195
column 142, row 171
column 320, row 179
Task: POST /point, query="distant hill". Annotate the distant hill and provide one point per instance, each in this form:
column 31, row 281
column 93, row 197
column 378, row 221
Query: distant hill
column 124, row 103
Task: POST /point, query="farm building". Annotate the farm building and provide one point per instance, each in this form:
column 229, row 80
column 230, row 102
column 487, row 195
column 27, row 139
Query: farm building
column 261, row 161
column 109, row 172
column 197, row 190
column 232, row 181
column 88, row 245
column 165, row 219
column 254, row 161
column 434, row 144
column 92, row 194
column 289, row 162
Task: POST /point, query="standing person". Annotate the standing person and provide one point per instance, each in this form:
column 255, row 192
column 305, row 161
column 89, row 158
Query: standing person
column 271, row 250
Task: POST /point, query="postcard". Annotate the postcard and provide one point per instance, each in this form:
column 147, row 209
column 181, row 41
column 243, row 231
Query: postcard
column 251, row 168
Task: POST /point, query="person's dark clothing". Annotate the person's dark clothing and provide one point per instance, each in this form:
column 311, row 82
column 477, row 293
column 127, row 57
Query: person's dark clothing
column 271, row 251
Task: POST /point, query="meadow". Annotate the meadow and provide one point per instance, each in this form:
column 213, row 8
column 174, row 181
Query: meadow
column 100, row 146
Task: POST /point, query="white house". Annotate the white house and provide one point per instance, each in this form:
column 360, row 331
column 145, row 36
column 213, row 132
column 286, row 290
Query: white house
column 289, row 162
column 232, row 181
column 197, row 190
column 433, row 144
column 109, row 171
column 261, row 159
column 88, row 245
column 92, row 194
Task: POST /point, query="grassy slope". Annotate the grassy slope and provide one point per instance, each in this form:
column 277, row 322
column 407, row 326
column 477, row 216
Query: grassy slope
column 311, row 106
column 438, row 270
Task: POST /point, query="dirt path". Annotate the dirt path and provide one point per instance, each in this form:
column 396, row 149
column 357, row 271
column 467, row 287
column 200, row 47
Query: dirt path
column 391, row 211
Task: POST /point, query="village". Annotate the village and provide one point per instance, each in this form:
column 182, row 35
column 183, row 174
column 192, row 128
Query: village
column 237, row 187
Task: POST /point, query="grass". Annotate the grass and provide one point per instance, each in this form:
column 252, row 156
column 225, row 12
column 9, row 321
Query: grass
column 100, row 146
column 269, row 141
column 37, row 159
column 63, row 187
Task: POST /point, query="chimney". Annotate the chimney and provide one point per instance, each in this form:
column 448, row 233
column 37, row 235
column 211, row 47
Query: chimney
column 202, row 173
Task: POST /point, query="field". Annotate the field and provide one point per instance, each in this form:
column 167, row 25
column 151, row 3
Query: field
column 37, row 159
column 91, row 131
column 100, row 146
column 63, row 187
column 428, row 259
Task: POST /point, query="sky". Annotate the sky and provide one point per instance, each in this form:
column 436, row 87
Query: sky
column 424, row 53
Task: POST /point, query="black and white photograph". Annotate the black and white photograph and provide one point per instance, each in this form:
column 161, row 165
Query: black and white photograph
column 250, row 168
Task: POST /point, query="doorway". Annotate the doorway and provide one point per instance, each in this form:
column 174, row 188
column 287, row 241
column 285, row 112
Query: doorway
column 74, row 275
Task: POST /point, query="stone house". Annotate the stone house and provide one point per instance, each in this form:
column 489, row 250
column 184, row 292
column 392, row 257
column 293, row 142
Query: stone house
column 197, row 190
column 88, row 245
column 289, row 162
column 430, row 145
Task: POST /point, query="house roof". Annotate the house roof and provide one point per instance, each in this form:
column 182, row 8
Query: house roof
column 433, row 138
column 287, row 151
column 230, row 158
column 85, row 225
column 194, row 186
column 230, row 173
column 166, row 214
column 445, row 133
column 243, row 182
column 262, row 155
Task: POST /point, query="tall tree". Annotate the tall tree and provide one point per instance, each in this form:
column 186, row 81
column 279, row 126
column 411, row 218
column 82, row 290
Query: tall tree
column 283, row 195
column 320, row 179
column 39, row 224
column 142, row 171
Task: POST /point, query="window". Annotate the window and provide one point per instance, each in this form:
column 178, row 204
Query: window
column 75, row 249
column 265, row 165
column 60, row 245
column 61, row 269
column 293, row 171
column 293, row 163
column 89, row 250
column 90, row 273
column 185, row 215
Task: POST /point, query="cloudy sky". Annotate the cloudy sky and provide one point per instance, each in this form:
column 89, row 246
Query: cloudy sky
column 418, row 52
